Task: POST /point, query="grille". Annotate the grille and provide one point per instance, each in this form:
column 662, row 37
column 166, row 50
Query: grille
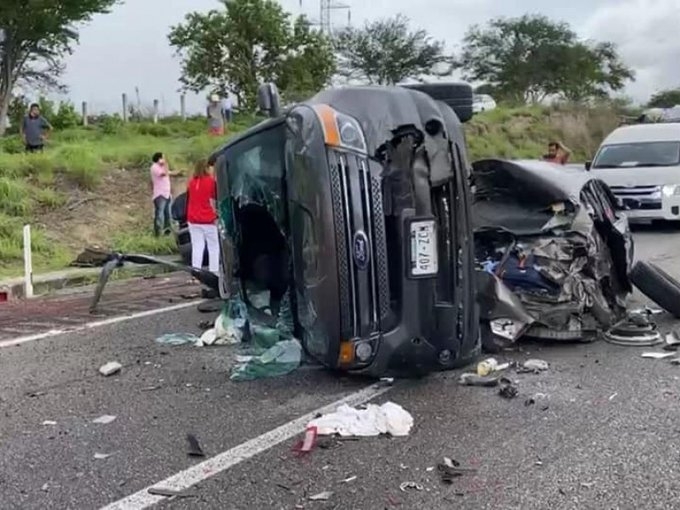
column 342, row 251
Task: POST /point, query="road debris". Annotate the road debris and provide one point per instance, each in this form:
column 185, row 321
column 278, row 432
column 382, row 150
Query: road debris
column 534, row 365
column 350, row 479
column 672, row 341
column 657, row 355
column 175, row 339
column 489, row 366
column 49, row 422
column 613, row 396
column 169, row 493
column 536, row 398
column 322, row 496
column 450, row 469
column 470, row 379
column 307, row 443
column 508, row 389
column 388, row 418
column 110, row 368
column 102, row 456
column 104, row 420
column 636, row 330
column 194, row 447
column 410, row 485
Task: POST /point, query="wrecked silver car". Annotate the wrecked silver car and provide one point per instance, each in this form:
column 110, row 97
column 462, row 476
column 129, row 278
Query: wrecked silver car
column 553, row 249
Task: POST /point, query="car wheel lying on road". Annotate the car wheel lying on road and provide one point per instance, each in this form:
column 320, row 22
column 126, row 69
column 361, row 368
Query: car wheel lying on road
column 657, row 285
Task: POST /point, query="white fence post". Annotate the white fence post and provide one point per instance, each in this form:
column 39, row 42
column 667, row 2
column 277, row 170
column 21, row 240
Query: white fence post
column 28, row 263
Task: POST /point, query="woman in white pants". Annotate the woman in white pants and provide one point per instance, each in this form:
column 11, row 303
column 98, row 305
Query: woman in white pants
column 202, row 217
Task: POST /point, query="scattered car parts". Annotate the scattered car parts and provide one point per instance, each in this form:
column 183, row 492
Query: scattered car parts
column 657, row 285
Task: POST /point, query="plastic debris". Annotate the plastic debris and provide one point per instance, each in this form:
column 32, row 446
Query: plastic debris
column 110, row 368
column 102, row 456
column 536, row 399
column 403, row 487
column 672, row 341
column 657, row 355
column 508, row 389
column 175, row 339
column 489, row 366
column 535, row 365
column 169, row 493
column 105, row 419
column 49, row 422
column 388, row 418
column 350, row 479
column 194, row 447
column 322, row 496
column 307, row 443
column 469, row 379
column 675, row 361
column 280, row 359
column 450, row 469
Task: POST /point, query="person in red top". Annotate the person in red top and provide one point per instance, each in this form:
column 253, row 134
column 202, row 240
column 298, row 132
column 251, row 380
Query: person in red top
column 202, row 217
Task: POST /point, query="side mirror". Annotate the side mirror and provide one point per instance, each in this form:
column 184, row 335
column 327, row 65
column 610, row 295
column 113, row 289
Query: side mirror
column 268, row 99
column 588, row 165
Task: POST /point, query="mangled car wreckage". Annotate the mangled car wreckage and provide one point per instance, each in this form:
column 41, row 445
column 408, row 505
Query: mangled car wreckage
column 554, row 251
column 351, row 211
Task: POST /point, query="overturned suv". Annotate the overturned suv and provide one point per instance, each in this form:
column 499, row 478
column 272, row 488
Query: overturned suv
column 554, row 251
column 352, row 211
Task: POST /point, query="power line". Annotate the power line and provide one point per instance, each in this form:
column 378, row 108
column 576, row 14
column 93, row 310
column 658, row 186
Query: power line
column 326, row 8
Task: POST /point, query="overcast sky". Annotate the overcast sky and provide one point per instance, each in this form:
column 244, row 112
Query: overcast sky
column 128, row 48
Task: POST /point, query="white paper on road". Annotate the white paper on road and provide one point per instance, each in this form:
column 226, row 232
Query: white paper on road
column 110, row 368
column 389, row 418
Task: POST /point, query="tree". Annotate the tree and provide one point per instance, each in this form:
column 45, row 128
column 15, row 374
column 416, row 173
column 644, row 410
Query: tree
column 665, row 99
column 34, row 37
column 247, row 42
column 386, row 52
column 532, row 57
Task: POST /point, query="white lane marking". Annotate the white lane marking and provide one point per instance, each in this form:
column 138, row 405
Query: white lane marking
column 95, row 324
column 225, row 460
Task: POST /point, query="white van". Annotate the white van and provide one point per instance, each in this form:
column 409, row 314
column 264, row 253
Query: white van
column 641, row 164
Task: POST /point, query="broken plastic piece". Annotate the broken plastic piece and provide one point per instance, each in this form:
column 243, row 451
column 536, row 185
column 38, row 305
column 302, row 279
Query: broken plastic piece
column 105, row 419
column 110, row 368
column 508, row 389
column 657, row 355
column 194, row 447
column 174, row 339
column 388, row 418
column 322, row 496
column 283, row 358
column 470, row 379
column 410, row 485
column 49, row 422
column 307, row 443
column 102, row 456
column 450, row 469
column 535, row 365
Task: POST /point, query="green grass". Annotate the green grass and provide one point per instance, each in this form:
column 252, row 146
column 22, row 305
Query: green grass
column 33, row 185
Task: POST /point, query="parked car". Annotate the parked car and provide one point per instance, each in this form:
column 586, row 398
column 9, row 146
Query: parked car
column 483, row 103
column 641, row 164
column 554, row 251
column 354, row 207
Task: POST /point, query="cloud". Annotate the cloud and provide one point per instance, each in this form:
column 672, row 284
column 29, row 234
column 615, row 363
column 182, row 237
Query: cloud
column 646, row 33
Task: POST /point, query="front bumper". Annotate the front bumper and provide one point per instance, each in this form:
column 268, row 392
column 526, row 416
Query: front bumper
column 640, row 208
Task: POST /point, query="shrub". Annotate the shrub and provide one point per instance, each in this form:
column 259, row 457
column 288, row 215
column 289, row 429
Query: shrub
column 15, row 198
column 80, row 163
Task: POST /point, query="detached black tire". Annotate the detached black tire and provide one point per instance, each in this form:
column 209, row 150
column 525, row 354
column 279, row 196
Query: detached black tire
column 658, row 286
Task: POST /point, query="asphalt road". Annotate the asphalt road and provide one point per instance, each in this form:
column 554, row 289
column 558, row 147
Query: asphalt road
column 602, row 436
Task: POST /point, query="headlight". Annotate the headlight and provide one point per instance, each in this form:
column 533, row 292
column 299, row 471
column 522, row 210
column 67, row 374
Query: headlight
column 340, row 130
column 506, row 328
column 671, row 190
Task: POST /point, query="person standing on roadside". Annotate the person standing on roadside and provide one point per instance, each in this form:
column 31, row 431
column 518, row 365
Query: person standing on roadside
column 202, row 217
column 34, row 129
column 161, row 193
column 228, row 110
column 557, row 153
column 216, row 116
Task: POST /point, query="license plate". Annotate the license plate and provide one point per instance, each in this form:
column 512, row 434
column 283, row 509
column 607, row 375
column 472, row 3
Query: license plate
column 424, row 259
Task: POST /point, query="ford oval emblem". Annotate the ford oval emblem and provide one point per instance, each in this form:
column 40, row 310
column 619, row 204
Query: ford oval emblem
column 361, row 252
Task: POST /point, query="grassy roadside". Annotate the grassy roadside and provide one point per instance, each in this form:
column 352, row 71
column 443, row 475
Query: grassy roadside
column 90, row 186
